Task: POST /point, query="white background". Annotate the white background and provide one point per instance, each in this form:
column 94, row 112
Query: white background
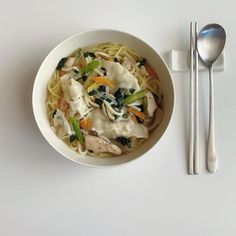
column 42, row 193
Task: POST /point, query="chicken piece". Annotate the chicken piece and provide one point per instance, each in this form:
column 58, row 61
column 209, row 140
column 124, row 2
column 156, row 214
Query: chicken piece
column 126, row 63
column 70, row 62
column 68, row 66
column 98, row 145
column 152, row 106
column 61, row 123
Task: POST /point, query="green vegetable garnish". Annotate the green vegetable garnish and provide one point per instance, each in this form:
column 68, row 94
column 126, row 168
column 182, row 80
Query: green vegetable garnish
column 78, row 54
column 61, row 63
column 145, row 104
column 90, row 67
column 136, row 96
column 77, row 130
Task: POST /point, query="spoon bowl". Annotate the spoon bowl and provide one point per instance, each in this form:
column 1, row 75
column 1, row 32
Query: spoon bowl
column 210, row 43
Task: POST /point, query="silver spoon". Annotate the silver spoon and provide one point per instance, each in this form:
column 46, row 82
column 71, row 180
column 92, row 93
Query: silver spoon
column 210, row 44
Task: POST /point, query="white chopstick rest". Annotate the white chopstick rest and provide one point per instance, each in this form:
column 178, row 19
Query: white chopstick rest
column 179, row 61
column 193, row 163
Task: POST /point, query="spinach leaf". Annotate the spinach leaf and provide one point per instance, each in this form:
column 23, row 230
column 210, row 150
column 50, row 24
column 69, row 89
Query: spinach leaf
column 141, row 107
column 91, row 54
column 99, row 101
column 83, row 77
column 61, row 63
column 107, row 99
column 125, row 115
column 102, row 88
column 73, row 137
column 76, row 71
column 104, row 71
column 54, row 113
column 142, row 62
column 120, row 96
column 132, row 90
column 93, row 92
column 124, row 141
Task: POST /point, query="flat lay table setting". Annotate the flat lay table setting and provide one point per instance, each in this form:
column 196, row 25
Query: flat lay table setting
column 180, row 180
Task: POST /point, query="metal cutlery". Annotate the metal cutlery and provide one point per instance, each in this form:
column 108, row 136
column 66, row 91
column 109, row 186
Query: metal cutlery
column 210, row 44
column 193, row 163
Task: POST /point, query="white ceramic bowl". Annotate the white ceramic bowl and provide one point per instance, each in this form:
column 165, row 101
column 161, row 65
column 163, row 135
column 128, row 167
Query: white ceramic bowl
column 68, row 46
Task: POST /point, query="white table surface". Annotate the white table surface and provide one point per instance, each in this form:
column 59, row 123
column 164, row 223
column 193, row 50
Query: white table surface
column 42, row 193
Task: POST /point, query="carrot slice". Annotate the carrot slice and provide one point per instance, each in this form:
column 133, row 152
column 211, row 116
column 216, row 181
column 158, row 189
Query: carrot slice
column 151, row 71
column 137, row 113
column 102, row 80
column 85, row 123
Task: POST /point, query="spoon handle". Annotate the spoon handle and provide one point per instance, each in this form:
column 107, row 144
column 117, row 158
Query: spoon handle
column 212, row 162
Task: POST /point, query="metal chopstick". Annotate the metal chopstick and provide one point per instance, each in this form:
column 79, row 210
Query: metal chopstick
column 196, row 110
column 193, row 162
column 191, row 108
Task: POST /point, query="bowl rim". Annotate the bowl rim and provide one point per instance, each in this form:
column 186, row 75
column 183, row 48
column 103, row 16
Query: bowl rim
column 65, row 155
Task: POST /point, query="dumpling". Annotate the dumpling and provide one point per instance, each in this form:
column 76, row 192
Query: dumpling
column 120, row 76
column 74, row 94
column 112, row 129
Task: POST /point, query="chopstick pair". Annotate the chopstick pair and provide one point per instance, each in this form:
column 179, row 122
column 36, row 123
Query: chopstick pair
column 193, row 162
